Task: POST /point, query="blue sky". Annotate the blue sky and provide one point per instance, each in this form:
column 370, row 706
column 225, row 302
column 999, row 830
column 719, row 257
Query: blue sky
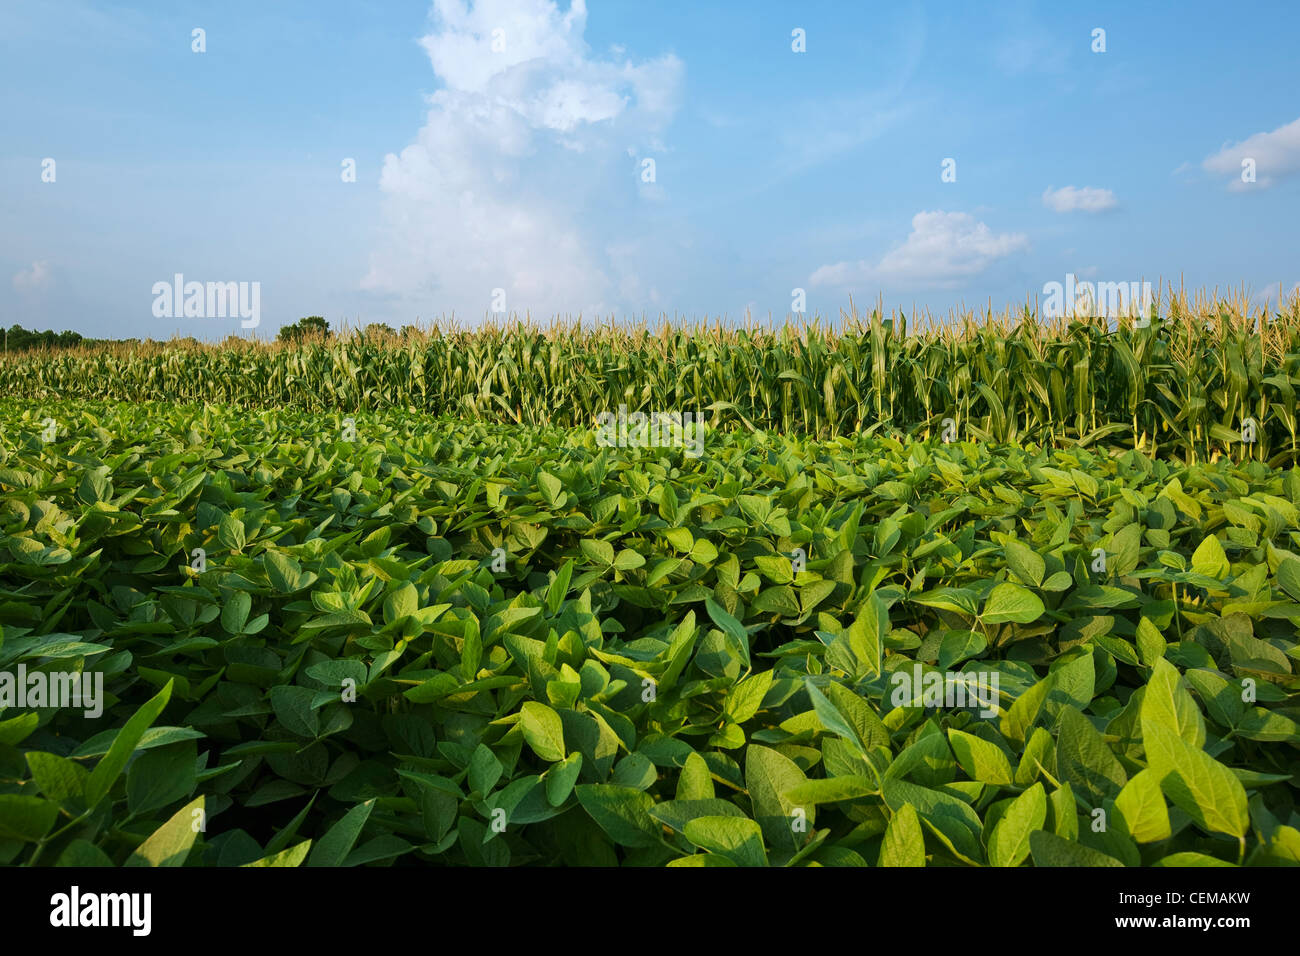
column 500, row 151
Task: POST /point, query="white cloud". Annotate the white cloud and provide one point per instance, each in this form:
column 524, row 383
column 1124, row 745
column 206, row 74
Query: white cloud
column 942, row 248
column 526, row 156
column 36, row 277
column 1276, row 156
column 1275, row 295
column 1087, row 199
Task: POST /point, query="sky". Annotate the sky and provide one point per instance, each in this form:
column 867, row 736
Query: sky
column 403, row 162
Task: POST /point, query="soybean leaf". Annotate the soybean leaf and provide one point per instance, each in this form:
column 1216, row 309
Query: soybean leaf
column 108, row 768
column 739, row 839
column 904, row 844
column 170, row 844
column 1009, row 841
column 333, row 848
column 543, row 730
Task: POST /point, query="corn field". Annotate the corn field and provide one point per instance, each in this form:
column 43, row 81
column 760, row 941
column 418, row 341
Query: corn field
column 1193, row 383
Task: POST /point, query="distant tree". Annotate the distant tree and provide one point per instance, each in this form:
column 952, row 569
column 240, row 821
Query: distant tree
column 314, row 325
column 18, row 338
column 379, row 330
column 310, row 327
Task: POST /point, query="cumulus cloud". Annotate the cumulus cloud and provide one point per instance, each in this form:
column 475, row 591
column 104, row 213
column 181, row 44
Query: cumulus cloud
column 1276, row 156
column 942, row 248
column 529, row 152
column 31, row 279
column 1087, row 199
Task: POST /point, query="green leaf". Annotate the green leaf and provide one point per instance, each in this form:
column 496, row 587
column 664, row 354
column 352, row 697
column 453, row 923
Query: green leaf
column 26, row 818
column 731, row 627
column 161, row 776
column 600, row 553
column 1039, row 755
column 16, row 729
column 1199, row 785
column 234, row 615
column 1222, row 698
column 293, row 708
column 929, row 757
column 701, row 860
column 982, row 760
column 82, row 853
column 1267, row 725
column 1063, row 812
column 552, row 488
column 484, row 769
column 559, row 588
column 859, row 715
column 830, row 790
column 281, row 840
column 1009, row 841
column 829, row 716
column 57, row 777
column 1208, row 559
column 1084, row 760
column 1025, row 563
column 561, row 778
column 769, row 776
column 285, row 574
column 293, row 856
column 1190, row 858
column 695, row 781
column 1011, row 603
column 1168, row 703
column 1288, row 577
column 622, row 812
column 230, row 533
column 775, row 568
column 106, row 771
column 1142, row 805
column 402, row 602
column 170, row 844
column 746, row 698
column 1048, row 849
column 628, row 560
column 904, row 843
column 677, row 813
column 739, row 839
column 1019, row 719
column 1151, row 645
column 868, row 631
column 1073, row 685
column 957, row 600
column 949, row 818
column 543, row 730
column 333, row 848
column 957, row 646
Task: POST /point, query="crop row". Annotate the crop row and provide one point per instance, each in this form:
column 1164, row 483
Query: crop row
column 406, row 640
column 1198, row 383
